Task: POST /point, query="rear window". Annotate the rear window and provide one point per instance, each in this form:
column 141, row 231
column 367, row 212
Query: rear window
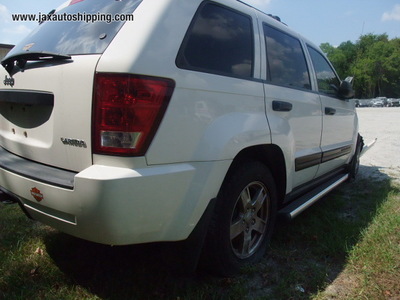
column 219, row 41
column 84, row 36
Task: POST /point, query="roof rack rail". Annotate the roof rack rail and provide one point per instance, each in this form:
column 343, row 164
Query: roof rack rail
column 275, row 17
column 272, row 16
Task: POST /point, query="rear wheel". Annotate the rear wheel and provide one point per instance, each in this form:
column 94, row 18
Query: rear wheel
column 243, row 221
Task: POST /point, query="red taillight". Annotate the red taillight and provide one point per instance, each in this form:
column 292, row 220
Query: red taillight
column 127, row 112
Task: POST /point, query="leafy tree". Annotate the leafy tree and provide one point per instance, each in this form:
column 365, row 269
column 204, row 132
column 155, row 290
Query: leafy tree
column 373, row 60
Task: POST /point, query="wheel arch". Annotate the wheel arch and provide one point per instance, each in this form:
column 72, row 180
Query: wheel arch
column 272, row 157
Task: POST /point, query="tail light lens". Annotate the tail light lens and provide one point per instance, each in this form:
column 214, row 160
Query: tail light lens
column 127, row 112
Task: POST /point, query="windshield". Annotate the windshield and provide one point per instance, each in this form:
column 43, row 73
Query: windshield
column 74, row 29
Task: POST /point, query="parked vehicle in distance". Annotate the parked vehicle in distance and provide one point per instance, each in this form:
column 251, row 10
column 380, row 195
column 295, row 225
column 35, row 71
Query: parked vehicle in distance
column 199, row 121
column 392, row 102
column 363, row 102
column 378, row 103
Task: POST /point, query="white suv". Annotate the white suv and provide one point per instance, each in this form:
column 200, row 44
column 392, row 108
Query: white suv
column 198, row 121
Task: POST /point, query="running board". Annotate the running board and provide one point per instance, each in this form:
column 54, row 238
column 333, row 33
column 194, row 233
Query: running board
column 305, row 201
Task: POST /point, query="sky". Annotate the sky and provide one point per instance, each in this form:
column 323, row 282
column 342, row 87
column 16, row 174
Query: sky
column 321, row 21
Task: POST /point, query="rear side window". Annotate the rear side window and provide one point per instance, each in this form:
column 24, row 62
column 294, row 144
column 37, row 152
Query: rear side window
column 219, row 41
column 286, row 63
column 328, row 82
column 80, row 34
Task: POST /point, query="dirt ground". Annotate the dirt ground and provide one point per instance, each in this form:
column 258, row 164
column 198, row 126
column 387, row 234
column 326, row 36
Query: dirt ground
column 384, row 157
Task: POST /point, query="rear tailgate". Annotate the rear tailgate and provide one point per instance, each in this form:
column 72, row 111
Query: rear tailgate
column 45, row 116
column 47, row 82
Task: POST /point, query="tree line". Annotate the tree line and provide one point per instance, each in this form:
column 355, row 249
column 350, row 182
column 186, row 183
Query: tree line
column 374, row 61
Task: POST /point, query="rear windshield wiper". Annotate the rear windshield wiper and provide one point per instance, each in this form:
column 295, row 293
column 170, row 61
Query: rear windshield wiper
column 20, row 59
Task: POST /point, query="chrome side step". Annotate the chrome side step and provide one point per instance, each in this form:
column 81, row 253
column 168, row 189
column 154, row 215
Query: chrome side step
column 305, row 201
column 368, row 146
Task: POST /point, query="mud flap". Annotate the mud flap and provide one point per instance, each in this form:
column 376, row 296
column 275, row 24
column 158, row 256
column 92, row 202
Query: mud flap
column 186, row 254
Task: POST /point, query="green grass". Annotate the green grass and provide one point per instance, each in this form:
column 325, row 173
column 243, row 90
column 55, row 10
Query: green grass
column 376, row 258
column 372, row 269
column 346, row 246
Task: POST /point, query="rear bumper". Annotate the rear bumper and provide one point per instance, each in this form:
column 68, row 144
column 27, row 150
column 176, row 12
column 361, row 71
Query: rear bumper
column 119, row 206
column 35, row 171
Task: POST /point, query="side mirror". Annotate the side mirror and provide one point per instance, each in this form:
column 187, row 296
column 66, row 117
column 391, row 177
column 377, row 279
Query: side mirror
column 346, row 89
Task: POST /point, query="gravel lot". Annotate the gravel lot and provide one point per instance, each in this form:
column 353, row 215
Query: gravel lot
column 383, row 159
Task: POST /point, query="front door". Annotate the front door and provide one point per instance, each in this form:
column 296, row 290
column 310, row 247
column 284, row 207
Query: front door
column 339, row 117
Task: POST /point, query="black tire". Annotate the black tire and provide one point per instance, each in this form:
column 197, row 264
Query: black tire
column 355, row 162
column 243, row 220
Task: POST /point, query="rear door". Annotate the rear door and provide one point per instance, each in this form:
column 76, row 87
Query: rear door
column 339, row 117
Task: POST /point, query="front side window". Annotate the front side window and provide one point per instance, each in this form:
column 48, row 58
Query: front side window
column 328, row 82
column 219, row 41
column 286, row 62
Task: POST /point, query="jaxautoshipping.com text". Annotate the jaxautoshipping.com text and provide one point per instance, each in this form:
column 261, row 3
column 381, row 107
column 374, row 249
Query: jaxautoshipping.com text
column 76, row 17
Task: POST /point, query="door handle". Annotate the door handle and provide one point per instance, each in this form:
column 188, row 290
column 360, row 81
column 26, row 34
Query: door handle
column 330, row 111
column 281, row 106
